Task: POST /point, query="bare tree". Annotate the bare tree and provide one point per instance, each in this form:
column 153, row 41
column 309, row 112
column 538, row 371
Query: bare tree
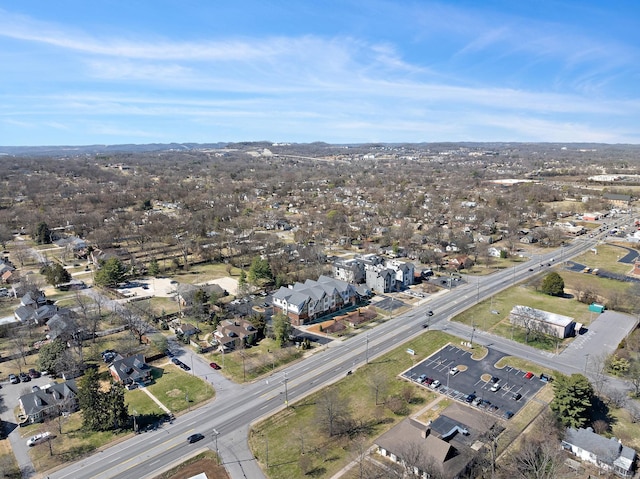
column 332, row 412
column 378, row 385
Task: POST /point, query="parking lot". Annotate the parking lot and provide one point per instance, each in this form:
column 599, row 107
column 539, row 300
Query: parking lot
column 476, row 382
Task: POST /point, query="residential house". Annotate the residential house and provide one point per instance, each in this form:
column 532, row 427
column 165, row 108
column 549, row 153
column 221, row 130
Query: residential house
column 50, row 401
column 130, row 370
column 494, row 252
column 528, row 239
column 607, row 454
column 230, row 335
column 422, row 452
column 35, row 308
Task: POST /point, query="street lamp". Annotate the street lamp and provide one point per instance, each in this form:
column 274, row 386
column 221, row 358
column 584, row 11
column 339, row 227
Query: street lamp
column 286, row 390
column 216, row 434
column 473, row 330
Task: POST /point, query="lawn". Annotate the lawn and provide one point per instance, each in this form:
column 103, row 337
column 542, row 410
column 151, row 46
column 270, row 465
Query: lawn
column 202, row 273
column 176, row 389
column 295, row 430
column 248, row 364
column 606, row 258
column 71, row 445
column 493, row 314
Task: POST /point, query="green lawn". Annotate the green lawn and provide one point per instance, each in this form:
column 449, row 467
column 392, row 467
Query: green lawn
column 606, row 258
column 295, row 429
column 248, row 364
column 174, row 387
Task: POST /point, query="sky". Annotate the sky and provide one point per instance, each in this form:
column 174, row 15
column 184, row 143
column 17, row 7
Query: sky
column 353, row 71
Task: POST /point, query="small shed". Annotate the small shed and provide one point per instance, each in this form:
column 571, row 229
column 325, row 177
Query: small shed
column 596, row 308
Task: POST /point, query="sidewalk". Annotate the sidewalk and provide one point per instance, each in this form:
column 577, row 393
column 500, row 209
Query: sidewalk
column 155, row 399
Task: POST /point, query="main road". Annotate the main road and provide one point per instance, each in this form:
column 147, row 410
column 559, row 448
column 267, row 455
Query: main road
column 225, row 421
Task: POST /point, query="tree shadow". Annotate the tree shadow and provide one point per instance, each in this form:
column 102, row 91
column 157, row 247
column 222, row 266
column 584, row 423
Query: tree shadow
column 600, row 411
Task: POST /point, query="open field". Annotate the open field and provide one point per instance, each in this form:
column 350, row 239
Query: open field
column 205, row 462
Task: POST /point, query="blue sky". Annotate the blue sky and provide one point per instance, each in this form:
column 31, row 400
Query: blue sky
column 147, row 71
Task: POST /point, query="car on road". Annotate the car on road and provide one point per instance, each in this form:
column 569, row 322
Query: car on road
column 495, row 387
column 214, row 365
column 529, row 375
column 38, row 438
column 13, row 379
column 453, row 371
column 24, row 377
column 516, row 396
column 422, row 378
column 176, row 361
column 429, row 313
column 195, row 438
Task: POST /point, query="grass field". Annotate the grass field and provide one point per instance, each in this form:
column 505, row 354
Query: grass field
column 606, row 258
column 294, row 430
column 176, row 389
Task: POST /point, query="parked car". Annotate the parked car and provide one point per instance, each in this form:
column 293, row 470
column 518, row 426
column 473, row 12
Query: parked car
column 422, row 378
column 35, row 388
column 470, row 398
column 428, row 381
column 435, row 384
column 24, row 377
column 38, row 438
column 195, row 438
column 476, row 401
column 529, row 375
column 453, row 371
column 214, row 365
column 13, row 379
column 516, row 396
column 507, row 415
column 495, row 387
column 544, row 378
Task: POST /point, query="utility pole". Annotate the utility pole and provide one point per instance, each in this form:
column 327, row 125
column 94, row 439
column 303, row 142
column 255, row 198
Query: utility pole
column 367, row 350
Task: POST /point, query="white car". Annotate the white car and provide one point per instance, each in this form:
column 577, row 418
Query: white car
column 38, row 438
column 495, row 387
column 435, row 384
column 454, row 371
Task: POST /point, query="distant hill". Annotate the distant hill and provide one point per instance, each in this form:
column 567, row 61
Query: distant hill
column 94, row 149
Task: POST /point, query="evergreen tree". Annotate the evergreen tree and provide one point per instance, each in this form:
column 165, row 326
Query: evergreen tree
column 572, row 399
column 553, row 284
column 50, row 356
column 55, row 274
column 42, row 234
column 281, row 328
column 111, row 273
column 154, row 267
column 258, row 270
column 90, row 401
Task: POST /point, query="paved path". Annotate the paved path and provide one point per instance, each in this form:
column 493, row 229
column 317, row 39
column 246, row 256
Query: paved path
column 155, row 399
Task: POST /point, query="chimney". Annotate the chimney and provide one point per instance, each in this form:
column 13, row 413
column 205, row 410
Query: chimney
column 426, row 433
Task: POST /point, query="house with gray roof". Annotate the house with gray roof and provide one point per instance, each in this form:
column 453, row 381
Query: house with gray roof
column 607, row 454
column 418, row 449
column 50, row 401
column 130, row 370
column 304, row 302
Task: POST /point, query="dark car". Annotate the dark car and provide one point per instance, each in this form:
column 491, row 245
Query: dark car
column 168, row 352
column 24, row 377
column 185, row 367
column 13, row 379
column 176, row 361
column 544, row 378
column 516, row 396
column 33, row 373
column 214, row 365
column 429, row 313
column 469, row 398
column 507, row 415
column 195, row 438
